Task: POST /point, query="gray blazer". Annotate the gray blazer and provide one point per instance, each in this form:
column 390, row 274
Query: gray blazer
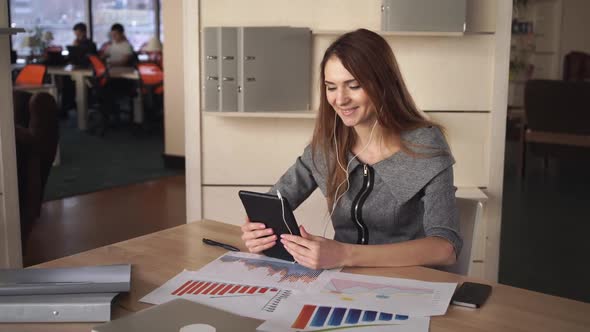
column 401, row 198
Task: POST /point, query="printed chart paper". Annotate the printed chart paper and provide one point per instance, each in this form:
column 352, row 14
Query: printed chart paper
column 402, row 296
column 312, row 317
column 261, row 270
column 240, row 298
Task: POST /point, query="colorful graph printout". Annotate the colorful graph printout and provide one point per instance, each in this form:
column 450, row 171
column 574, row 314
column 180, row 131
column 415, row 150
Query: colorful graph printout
column 261, row 270
column 403, row 296
column 311, row 317
column 239, row 298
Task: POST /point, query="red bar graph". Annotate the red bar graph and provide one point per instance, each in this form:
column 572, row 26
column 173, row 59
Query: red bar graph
column 181, row 287
column 218, row 289
column 194, row 286
column 206, row 291
column 201, row 288
column 225, row 289
column 235, row 289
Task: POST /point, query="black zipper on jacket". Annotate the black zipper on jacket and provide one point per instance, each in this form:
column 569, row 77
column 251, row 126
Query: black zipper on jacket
column 357, row 205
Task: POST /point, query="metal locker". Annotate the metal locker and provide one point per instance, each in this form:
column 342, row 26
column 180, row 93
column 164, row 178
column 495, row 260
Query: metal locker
column 210, row 82
column 424, row 15
column 228, row 74
column 274, row 69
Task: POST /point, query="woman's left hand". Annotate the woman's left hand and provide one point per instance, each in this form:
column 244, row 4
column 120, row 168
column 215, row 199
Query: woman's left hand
column 315, row 252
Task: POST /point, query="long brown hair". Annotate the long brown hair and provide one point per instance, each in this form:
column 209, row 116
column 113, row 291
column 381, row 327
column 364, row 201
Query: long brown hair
column 368, row 57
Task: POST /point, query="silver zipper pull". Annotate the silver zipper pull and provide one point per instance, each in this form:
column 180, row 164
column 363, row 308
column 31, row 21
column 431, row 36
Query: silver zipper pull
column 365, row 170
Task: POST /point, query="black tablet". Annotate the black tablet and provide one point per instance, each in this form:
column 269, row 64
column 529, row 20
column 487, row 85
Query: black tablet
column 267, row 209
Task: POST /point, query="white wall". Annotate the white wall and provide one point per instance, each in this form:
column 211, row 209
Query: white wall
column 172, row 18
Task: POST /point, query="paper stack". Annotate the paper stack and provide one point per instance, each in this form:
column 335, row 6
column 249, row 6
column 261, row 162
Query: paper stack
column 79, row 294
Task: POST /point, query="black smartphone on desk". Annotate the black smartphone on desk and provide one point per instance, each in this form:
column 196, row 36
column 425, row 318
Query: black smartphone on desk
column 274, row 212
column 471, row 294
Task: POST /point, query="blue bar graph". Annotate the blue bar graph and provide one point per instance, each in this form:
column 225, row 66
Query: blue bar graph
column 353, row 316
column 385, row 316
column 320, row 316
column 369, row 316
column 337, row 316
column 323, row 316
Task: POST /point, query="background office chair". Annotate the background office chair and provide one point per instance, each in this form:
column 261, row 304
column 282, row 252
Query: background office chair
column 107, row 92
column 36, row 136
column 470, row 212
column 33, row 74
column 151, row 78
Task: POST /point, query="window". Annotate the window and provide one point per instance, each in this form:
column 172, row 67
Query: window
column 41, row 16
column 137, row 16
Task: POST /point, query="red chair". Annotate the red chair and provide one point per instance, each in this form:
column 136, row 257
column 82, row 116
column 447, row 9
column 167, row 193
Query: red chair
column 151, row 78
column 32, row 74
column 108, row 92
column 99, row 71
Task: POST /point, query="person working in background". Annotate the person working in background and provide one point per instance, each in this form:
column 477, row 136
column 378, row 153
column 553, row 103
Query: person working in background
column 119, row 52
column 385, row 170
column 86, row 45
column 80, row 48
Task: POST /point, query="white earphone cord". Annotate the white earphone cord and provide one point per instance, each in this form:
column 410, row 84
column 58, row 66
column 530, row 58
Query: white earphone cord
column 347, row 181
column 283, row 211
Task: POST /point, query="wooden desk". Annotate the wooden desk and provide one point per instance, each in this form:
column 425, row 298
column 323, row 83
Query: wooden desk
column 159, row 256
column 79, row 75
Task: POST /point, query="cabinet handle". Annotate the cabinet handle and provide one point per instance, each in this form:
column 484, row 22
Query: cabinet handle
column 218, row 88
column 227, row 79
column 211, row 57
column 212, row 78
column 239, row 88
column 251, row 79
column 249, row 57
column 227, row 57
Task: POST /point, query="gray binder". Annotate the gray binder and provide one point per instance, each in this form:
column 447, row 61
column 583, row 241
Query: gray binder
column 94, row 307
column 75, row 280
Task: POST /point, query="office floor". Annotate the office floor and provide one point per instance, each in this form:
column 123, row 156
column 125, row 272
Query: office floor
column 71, row 225
column 91, row 163
column 545, row 226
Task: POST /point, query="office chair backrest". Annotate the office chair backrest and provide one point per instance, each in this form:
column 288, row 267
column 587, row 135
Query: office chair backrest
column 99, row 69
column 558, row 106
column 32, row 74
column 469, row 216
column 151, row 76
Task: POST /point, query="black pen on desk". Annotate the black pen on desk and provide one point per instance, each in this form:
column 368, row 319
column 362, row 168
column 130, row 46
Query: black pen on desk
column 219, row 244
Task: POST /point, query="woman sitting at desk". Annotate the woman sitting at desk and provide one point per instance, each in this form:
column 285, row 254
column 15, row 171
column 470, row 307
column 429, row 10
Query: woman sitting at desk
column 385, row 170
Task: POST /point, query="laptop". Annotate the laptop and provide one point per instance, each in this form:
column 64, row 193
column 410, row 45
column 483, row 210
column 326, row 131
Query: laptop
column 77, row 56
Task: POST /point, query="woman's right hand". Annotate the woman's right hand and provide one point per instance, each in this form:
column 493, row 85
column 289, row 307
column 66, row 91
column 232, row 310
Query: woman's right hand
column 257, row 237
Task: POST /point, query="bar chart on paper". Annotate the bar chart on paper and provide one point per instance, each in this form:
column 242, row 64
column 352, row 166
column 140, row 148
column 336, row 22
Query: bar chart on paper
column 312, row 317
column 202, row 287
column 257, row 269
column 240, row 298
